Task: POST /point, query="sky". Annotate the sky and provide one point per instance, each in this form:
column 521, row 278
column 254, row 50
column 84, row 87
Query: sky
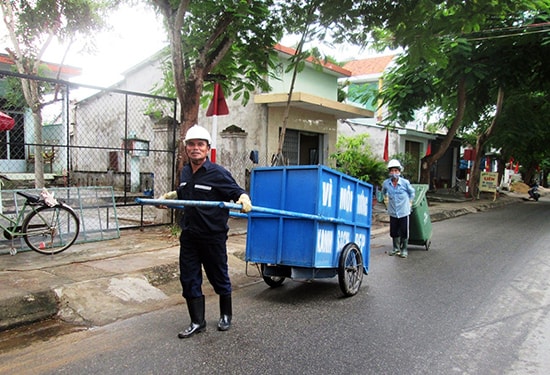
column 136, row 34
column 341, row 52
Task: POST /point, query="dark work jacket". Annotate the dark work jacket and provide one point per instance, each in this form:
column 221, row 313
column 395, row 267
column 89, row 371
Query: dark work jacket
column 211, row 182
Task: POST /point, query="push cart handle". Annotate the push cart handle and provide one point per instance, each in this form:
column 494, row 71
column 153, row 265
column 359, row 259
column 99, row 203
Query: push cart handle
column 173, row 203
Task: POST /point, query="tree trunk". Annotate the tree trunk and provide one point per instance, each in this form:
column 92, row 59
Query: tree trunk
column 480, row 143
column 279, row 157
column 31, row 91
column 500, row 168
column 428, row 161
column 189, row 114
column 38, row 155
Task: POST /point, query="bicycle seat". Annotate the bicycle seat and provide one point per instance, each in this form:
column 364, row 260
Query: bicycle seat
column 32, row 198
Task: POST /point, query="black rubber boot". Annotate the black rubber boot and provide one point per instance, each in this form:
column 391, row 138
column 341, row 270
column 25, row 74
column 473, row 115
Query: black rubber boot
column 225, row 313
column 196, row 312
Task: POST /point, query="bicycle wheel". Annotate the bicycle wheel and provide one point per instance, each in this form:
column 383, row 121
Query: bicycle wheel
column 51, row 230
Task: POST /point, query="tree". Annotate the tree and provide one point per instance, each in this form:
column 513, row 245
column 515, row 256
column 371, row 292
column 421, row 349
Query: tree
column 32, row 27
column 525, row 142
column 517, row 83
column 462, row 63
column 233, row 41
column 230, row 40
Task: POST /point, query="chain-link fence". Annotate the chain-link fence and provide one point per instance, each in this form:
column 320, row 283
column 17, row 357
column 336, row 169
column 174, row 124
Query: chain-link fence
column 91, row 136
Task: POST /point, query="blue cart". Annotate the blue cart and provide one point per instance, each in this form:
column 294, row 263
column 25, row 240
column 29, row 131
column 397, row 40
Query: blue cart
column 318, row 225
column 307, row 222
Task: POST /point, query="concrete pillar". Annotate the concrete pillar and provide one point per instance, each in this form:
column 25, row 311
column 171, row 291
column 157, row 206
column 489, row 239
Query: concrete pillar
column 233, row 154
column 164, row 165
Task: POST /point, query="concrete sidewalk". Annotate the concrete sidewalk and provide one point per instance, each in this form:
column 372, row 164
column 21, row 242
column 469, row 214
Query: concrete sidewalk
column 97, row 283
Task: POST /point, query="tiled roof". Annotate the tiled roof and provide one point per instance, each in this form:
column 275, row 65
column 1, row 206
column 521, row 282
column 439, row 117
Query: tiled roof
column 54, row 68
column 335, row 68
column 368, row 66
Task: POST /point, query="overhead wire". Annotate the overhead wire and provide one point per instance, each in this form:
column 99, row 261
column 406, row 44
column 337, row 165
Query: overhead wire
column 524, row 31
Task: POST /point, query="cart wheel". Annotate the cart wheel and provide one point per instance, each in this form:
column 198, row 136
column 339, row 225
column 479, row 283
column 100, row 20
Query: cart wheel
column 350, row 270
column 272, row 281
column 427, row 244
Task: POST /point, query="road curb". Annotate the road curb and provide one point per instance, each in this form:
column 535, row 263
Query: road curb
column 27, row 308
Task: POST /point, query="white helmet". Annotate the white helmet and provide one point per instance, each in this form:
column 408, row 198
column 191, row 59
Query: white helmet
column 394, row 163
column 198, row 132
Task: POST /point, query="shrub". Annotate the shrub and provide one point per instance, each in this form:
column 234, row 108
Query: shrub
column 354, row 157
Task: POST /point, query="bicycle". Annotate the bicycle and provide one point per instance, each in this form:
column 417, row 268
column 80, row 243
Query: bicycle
column 49, row 228
column 459, row 186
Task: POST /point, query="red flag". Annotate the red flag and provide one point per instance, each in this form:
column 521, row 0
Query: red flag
column 6, row 122
column 516, row 169
column 429, row 149
column 488, row 164
column 386, row 146
column 217, row 106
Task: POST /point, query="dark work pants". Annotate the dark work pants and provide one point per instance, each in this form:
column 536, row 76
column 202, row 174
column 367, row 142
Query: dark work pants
column 399, row 227
column 210, row 253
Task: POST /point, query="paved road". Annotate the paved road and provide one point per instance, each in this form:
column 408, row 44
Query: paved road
column 477, row 303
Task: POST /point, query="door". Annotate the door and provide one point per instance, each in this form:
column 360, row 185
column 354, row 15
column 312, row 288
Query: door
column 412, row 172
column 303, row 148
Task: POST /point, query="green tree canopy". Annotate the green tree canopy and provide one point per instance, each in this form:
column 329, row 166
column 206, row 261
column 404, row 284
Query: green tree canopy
column 463, row 61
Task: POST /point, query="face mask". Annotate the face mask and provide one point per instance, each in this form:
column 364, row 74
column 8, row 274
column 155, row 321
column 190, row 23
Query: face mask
column 394, row 176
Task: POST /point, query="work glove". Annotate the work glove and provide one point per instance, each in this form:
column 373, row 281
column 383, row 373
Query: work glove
column 386, row 200
column 246, row 203
column 166, row 196
column 169, row 195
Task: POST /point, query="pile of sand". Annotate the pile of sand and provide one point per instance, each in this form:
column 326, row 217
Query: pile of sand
column 522, row 188
column 519, row 187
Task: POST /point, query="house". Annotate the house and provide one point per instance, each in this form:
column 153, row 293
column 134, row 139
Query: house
column 116, row 138
column 314, row 112
column 314, row 109
column 312, row 124
column 17, row 145
column 413, row 139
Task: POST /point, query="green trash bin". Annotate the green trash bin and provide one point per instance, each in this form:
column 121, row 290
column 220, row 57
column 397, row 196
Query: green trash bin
column 420, row 224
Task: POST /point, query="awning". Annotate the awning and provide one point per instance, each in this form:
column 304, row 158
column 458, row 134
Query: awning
column 416, row 134
column 6, row 122
column 315, row 104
